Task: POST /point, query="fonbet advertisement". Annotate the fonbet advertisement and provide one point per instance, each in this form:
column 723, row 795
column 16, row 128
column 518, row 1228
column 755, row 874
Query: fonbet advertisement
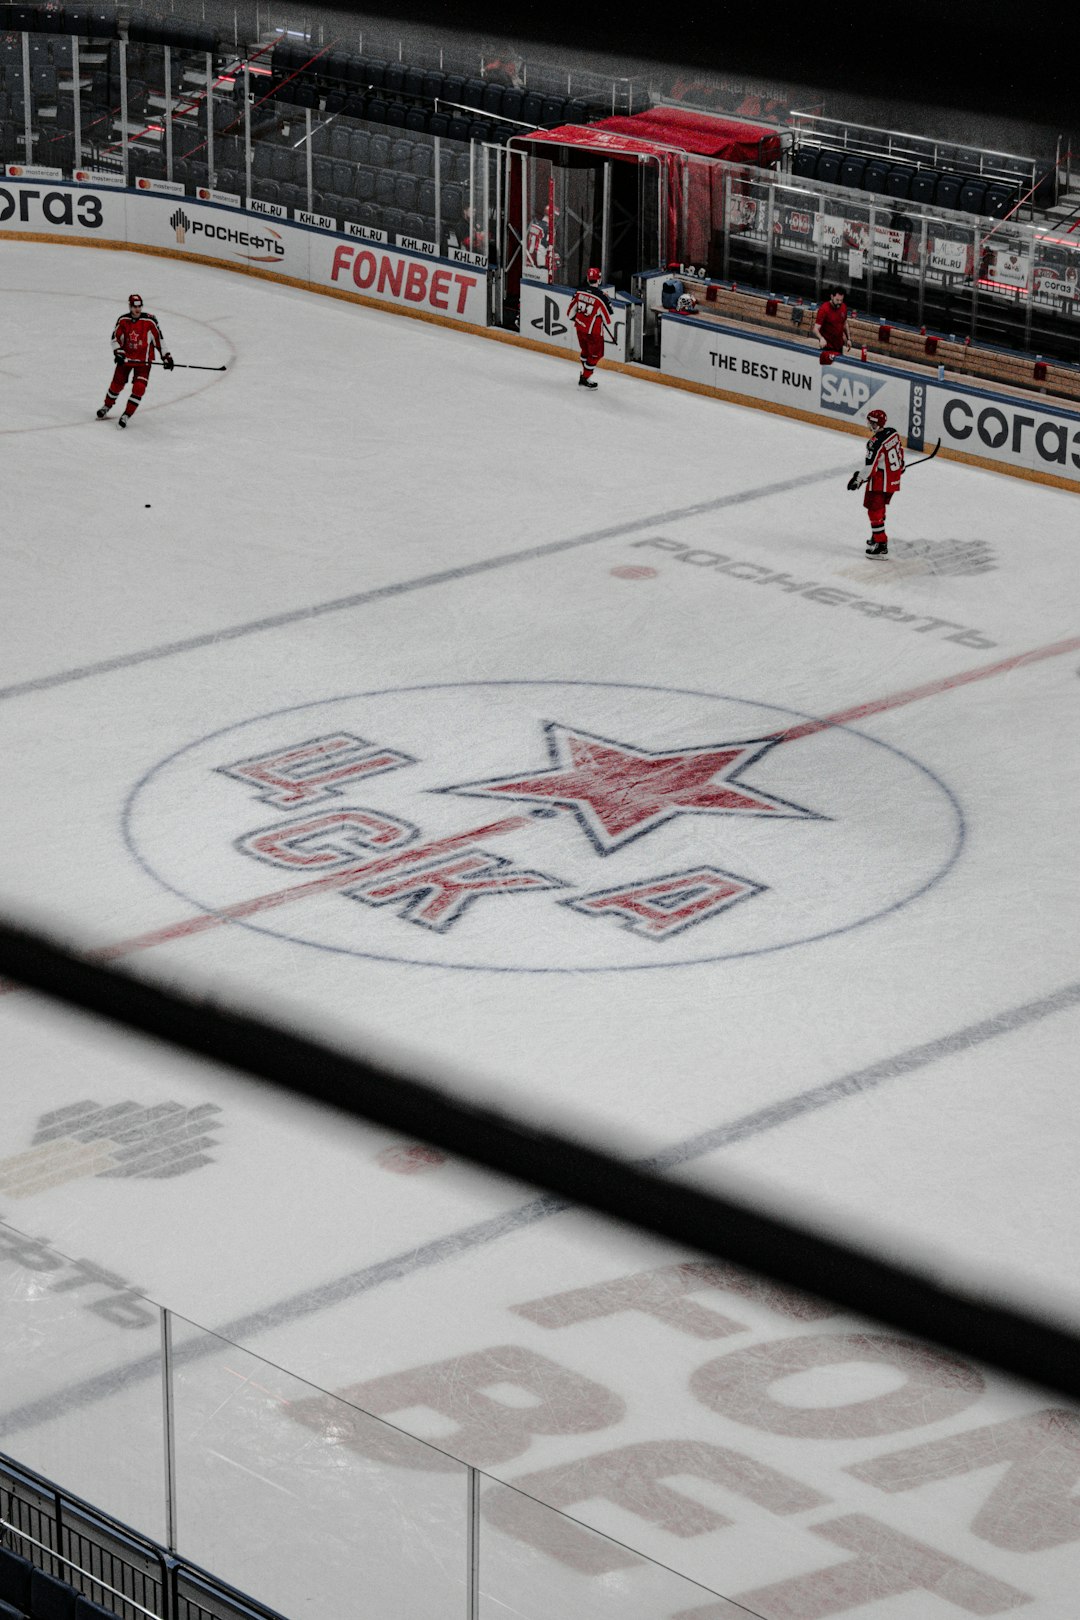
column 256, row 239
column 544, row 316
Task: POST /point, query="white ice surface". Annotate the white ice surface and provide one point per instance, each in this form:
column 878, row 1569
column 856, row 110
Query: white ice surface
column 916, row 938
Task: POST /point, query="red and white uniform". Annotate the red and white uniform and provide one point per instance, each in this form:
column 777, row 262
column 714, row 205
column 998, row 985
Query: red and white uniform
column 592, row 314
column 881, row 474
column 536, row 246
column 138, row 334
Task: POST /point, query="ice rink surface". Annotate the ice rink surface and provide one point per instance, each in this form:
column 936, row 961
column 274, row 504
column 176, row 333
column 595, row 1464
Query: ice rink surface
column 699, row 835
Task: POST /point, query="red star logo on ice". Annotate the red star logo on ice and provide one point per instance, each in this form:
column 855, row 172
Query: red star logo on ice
column 619, row 792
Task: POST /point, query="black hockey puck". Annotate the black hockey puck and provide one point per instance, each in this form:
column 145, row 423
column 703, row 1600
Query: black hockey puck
column 148, row 506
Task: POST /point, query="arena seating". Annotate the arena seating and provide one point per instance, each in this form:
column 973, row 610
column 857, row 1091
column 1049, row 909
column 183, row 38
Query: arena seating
column 406, row 97
column 953, row 189
column 891, row 343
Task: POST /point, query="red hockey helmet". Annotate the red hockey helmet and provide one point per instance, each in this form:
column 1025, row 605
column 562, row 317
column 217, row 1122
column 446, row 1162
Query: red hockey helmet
column 876, row 419
column 592, row 276
column 135, row 300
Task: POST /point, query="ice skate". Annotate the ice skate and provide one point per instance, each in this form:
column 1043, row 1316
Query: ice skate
column 586, row 382
column 123, row 422
column 877, row 548
column 104, row 411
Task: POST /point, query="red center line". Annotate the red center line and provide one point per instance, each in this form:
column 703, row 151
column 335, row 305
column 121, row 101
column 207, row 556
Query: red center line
column 443, row 846
column 303, row 891
column 931, row 689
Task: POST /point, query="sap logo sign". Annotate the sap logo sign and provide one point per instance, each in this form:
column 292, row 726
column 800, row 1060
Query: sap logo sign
column 840, row 391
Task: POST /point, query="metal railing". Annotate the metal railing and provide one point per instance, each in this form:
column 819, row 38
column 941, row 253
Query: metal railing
column 903, row 146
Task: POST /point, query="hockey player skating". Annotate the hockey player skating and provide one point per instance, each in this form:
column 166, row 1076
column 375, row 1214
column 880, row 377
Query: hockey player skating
column 881, row 474
column 136, row 339
column 592, row 314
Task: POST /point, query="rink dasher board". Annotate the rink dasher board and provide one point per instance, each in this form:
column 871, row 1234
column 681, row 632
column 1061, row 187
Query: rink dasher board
column 544, row 316
column 1004, row 434
column 997, row 431
column 338, row 263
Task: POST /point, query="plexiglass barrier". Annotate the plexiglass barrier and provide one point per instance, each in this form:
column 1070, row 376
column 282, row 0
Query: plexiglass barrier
column 777, row 1460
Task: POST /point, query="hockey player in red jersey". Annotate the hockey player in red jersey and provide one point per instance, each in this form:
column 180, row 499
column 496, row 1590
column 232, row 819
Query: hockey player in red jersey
column 136, row 340
column 881, row 473
column 591, row 313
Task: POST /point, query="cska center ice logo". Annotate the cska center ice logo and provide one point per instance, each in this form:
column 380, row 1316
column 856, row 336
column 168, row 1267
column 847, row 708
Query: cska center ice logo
column 543, row 826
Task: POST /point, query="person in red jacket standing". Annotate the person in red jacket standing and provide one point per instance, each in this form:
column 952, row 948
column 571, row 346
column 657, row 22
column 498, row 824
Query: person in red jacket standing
column 591, row 312
column 136, row 339
column 831, row 326
column 881, row 473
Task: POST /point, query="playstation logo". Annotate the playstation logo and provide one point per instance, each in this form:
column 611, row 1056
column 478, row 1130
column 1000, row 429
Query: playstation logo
column 549, row 323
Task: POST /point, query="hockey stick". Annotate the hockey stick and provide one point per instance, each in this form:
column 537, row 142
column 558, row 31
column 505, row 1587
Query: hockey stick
column 921, row 459
column 180, row 365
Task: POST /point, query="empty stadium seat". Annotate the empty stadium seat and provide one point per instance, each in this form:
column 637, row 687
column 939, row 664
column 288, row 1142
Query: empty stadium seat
column 453, row 87
column 434, row 85
column 340, row 141
column 416, row 119
column 924, row 185
column 511, row 104
column 414, row 82
column 947, row 191
column 379, row 151
column 473, row 93
column 552, row 111
column 391, row 219
column 412, row 225
column 828, row 168
column 15, row 1573
column 364, row 183
column 999, row 200
column 439, row 124
column 492, row 99
column 355, row 106
column 405, row 189
column 85, row 1609
column 334, row 102
column 394, row 78
column 376, row 110
column 384, row 188
column 851, row 171
column 51, row 1599
column 422, row 160
column 898, row 181
column 401, row 154
column 973, row 196
column 375, row 69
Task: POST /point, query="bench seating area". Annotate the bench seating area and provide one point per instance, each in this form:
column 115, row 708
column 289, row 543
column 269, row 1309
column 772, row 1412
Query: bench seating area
column 929, row 188
column 894, row 345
